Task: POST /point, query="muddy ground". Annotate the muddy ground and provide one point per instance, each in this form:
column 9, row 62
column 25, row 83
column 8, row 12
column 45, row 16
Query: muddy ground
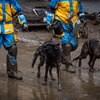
column 82, row 85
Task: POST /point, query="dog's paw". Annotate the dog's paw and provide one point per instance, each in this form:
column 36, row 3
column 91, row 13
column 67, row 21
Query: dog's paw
column 91, row 70
column 59, row 88
column 44, row 83
column 53, row 79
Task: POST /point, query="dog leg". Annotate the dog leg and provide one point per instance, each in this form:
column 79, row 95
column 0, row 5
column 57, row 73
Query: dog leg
column 92, row 64
column 38, row 73
column 40, row 64
column 46, row 75
column 80, row 60
column 84, row 53
column 59, row 78
column 50, row 71
column 81, row 57
column 89, row 63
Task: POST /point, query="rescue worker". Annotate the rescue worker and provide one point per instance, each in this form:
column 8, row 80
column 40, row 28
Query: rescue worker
column 8, row 9
column 63, row 17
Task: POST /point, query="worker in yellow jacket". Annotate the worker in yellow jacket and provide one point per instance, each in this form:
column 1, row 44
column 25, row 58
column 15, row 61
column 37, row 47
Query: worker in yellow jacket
column 8, row 9
column 63, row 17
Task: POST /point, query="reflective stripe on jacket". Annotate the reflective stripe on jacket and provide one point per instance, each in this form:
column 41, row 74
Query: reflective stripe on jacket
column 9, row 8
column 65, row 7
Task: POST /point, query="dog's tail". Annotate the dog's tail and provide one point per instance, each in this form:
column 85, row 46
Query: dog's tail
column 78, row 58
column 35, row 56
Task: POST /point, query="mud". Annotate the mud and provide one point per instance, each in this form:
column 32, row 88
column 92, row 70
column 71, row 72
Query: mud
column 91, row 6
column 82, row 85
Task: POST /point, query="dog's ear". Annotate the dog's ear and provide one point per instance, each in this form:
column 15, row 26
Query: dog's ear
column 57, row 45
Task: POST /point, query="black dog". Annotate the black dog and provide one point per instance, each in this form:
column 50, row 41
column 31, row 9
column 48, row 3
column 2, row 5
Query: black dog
column 91, row 48
column 50, row 54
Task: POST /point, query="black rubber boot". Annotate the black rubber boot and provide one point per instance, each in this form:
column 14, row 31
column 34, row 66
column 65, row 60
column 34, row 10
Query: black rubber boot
column 12, row 63
column 14, row 75
column 66, row 58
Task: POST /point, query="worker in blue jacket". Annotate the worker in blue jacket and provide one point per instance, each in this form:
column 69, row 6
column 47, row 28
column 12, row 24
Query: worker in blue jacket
column 63, row 17
column 8, row 9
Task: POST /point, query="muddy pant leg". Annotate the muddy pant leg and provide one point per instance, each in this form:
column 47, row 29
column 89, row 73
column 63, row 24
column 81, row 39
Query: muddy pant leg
column 12, row 62
column 69, row 44
column 66, row 58
column 11, row 59
column 74, row 38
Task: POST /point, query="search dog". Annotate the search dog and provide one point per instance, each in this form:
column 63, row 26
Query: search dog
column 50, row 54
column 91, row 48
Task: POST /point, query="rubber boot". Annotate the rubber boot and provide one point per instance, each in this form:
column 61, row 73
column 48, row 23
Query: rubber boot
column 12, row 63
column 66, row 58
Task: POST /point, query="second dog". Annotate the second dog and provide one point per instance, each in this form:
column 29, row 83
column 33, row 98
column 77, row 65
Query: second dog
column 91, row 48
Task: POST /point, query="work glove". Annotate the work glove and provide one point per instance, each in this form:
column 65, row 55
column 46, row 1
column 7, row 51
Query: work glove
column 70, row 15
column 82, row 16
column 24, row 26
column 48, row 27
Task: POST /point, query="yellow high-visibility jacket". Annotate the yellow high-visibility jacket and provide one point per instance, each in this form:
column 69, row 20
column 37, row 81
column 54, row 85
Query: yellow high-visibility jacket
column 9, row 8
column 65, row 7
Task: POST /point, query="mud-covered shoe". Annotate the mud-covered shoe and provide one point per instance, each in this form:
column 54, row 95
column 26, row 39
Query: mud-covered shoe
column 70, row 69
column 15, row 75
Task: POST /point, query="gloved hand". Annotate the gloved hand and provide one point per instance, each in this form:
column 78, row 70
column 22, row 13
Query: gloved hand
column 70, row 15
column 24, row 26
column 48, row 27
